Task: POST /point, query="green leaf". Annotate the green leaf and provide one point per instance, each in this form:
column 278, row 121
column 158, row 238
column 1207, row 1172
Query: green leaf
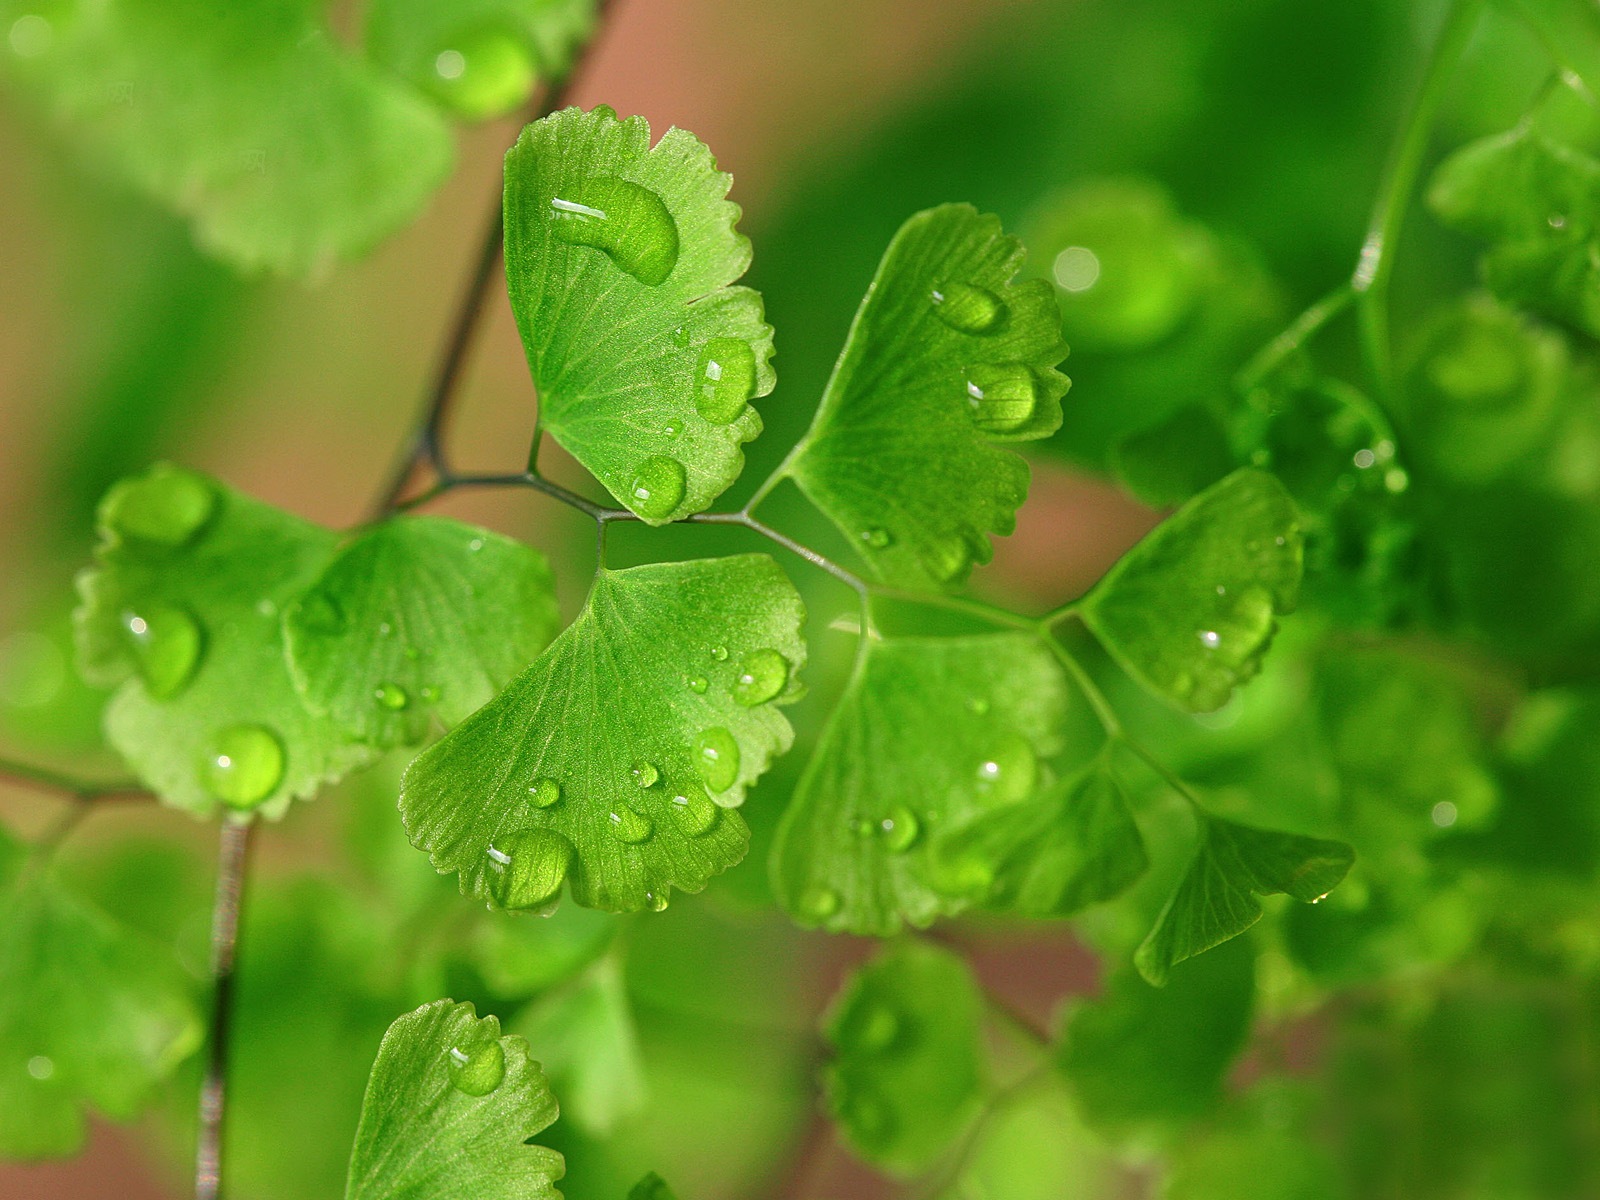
column 946, row 357
column 1074, row 845
column 584, row 1034
column 618, row 260
column 907, row 1074
column 184, row 612
column 602, row 760
column 1190, row 611
column 479, row 58
column 283, row 150
column 91, row 1014
column 451, row 1112
column 418, row 614
column 1173, row 459
column 1217, row 898
column 930, row 733
column 1139, row 1053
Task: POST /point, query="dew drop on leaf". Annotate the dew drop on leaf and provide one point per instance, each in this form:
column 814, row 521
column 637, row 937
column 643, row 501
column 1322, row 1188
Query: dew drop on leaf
column 819, row 902
column 716, row 757
column 762, row 675
column 658, row 486
column 656, row 901
column 900, row 829
column 672, row 430
column 392, row 696
column 166, row 505
column 477, row 1070
column 166, row 647
column 645, row 773
column 1009, row 772
column 698, row 684
column 968, row 308
column 544, row 793
column 725, row 380
column 244, row 765
column 1210, row 638
column 527, row 868
column 695, row 813
column 428, row 693
column 1001, row 398
column 628, row 222
column 720, row 653
column 630, row 827
column 877, row 538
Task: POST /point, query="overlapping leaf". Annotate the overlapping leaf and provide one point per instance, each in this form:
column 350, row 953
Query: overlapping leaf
column 616, row 759
column 418, row 614
column 931, row 732
column 1191, row 609
column 946, row 357
column 451, row 1112
column 184, row 611
column 619, row 258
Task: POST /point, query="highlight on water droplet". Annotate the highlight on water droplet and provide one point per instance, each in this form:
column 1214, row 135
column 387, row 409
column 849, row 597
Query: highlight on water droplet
column 629, row 223
column 629, row 826
column 1001, row 398
column 698, row 684
column 392, row 696
column 716, row 757
column 900, row 829
column 671, row 430
column 725, row 379
column 657, row 488
column 428, row 694
column 645, row 773
column 166, row 643
column 166, row 505
column 243, row 766
column 528, row 867
column 967, row 308
column 1210, row 639
column 762, row 675
column 694, row 813
column 476, row 1070
column 877, row 537
column 1008, row 773
column 544, row 793
column 818, row 902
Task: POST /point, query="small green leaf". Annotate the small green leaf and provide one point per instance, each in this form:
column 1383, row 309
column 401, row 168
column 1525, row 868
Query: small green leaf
column 1190, row 611
column 584, row 1034
column 946, row 357
column 91, row 1014
column 1173, row 459
column 1139, row 1053
column 930, row 733
column 418, row 614
column 619, row 259
column 1217, row 898
column 184, row 611
column 451, row 1112
column 606, row 755
column 1074, row 845
column 479, row 58
column 907, row 1074
column 284, row 150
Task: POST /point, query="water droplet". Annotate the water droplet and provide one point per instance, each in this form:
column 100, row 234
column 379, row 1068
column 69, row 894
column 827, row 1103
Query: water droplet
column 629, row 223
column 1001, row 398
column 477, row 1070
column 1556, row 221
column 1210, row 639
column 878, row 539
column 244, row 766
column 871, row 1027
column 1009, row 773
column 166, row 644
column 967, row 308
column 645, row 773
column 725, row 380
column 680, row 336
column 385, row 629
column 720, row 653
column 656, row 901
column 1222, row 590
column 544, row 793
column 672, row 430
column 166, row 505
column 428, row 693
column 41, row 1067
column 948, row 558
column 818, row 902
column 475, row 545
column 716, row 757
column 762, row 675
column 900, row 829
column 658, row 487
column 392, row 696
column 698, row 684
column 318, row 612
column 695, row 813
column 630, row 827
column 528, row 867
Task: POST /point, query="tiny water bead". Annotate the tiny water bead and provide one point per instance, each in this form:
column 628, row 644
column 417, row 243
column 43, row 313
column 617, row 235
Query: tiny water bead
column 656, row 901
column 695, row 814
column 483, row 73
column 544, row 793
column 476, row 1070
column 1210, row 639
column 630, row 827
column 968, row 308
column 762, row 675
column 716, row 757
column 658, row 487
column 392, row 696
column 698, row 684
column 629, row 223
column 319, row 612
column 877, row 538
column 725, row 379
column 527, row 868
column 818, row 902
column 166, row 643
column 243, row 766
column 166, row 505
column 720, row 653
column 900, row 829
column 1009, row 772
column 428, row 694
column 645, row 773
column 672, row 430
column 1001, row 398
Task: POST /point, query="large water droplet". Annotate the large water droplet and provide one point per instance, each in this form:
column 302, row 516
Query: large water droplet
column 318, row 612
column 725, row 380
column 527, row 868
column 657, row 487
column 1001, row 398
column 392, row 696
column 1009, row 772
column 818, row 902
column 694, row 813
column 645, row 773
column 878, row 538
column 244, row 765
column 762, row 675
column 716, row 757
column 900, row 829
column 967, row 308
column 656, row 901
column 544, row 793
column 166, row 645
column 483, row 73
column 630, row 827
column 166, row 505
column 477, row 1070
column 947, row 558
column 628, row 222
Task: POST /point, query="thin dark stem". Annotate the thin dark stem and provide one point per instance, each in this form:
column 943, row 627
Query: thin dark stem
column 78, row 789
column 233, row 861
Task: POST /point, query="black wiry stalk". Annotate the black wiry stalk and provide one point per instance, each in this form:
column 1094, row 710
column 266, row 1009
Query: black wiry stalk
column 233, row 860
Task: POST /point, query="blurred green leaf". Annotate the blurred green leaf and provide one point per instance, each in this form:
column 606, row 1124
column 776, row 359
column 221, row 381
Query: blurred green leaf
column 1170, row 461
column 652, row 1187
column 583, row 1034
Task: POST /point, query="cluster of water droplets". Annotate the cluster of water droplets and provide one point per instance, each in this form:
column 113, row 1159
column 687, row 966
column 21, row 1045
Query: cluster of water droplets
column 1000, row 397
